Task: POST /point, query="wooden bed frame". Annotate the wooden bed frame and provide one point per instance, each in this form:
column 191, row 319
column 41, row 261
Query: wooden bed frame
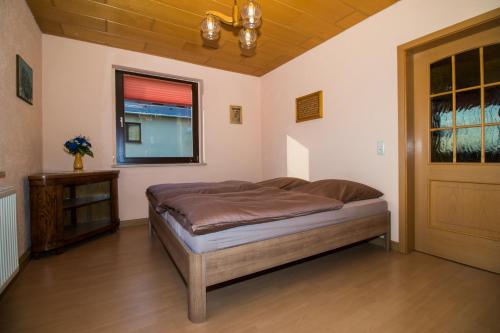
column 201, row 270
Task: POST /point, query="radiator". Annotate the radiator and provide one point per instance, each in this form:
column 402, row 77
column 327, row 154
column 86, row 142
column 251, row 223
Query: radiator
column 9, row 260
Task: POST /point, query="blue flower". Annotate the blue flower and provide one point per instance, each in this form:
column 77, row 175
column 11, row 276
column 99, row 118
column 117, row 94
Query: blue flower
column 73, row 146
column 79, row 144
column 80, row 139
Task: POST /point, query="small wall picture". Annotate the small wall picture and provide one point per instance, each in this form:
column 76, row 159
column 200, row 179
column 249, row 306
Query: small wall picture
column 235, row 114
column 24, row 80
column 133, row 132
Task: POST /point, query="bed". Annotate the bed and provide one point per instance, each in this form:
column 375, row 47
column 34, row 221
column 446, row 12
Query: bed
column 209, row 257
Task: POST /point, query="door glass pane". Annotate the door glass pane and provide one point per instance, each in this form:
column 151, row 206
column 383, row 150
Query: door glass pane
column 492, row 104
column 469, row 144
column 492, row 144
column 441, row 76
column 467, row 69
column 491, row 58
column 468, row 107
column 442, row 146
column 441, row 111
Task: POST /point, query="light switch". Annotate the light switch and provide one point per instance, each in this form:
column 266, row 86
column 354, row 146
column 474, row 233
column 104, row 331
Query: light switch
column 380, row 148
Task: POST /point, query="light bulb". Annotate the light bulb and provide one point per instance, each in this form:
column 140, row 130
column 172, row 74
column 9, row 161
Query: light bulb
column 251, row 14
column 248, row 37
column 210, row 27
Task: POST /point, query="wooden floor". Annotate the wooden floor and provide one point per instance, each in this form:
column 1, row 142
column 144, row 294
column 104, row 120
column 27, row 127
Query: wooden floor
column 125, row 282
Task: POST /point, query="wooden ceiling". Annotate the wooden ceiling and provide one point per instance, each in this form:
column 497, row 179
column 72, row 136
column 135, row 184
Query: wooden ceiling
column 170, row 28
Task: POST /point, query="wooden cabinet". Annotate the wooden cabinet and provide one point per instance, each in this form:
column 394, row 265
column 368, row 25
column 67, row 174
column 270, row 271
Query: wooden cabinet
column 67, row 207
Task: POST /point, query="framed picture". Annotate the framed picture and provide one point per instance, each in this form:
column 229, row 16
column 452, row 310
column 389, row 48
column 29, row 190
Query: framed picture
column 24, row 80
column 309, row 107
column 133, row 132
column 235, row 114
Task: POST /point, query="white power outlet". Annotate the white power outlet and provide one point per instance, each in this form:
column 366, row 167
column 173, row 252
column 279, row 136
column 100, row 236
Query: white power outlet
column 380, row 148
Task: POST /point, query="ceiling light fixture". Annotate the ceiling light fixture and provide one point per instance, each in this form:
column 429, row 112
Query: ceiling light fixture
column 248, row 18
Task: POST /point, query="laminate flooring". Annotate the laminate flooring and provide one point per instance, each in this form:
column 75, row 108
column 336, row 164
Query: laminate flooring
column 126, row 282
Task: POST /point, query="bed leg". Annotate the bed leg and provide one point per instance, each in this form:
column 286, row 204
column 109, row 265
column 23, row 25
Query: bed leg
column 387, row 238
column 197, row 289
column 150, row 229
column 387, row 235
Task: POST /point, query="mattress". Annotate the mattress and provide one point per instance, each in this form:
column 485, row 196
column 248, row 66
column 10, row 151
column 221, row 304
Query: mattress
column 257, row 232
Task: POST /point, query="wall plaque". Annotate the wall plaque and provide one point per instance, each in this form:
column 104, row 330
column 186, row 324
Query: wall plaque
column 309, row 107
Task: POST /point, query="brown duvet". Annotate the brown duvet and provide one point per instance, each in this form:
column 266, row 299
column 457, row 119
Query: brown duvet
column 157, row 194
column 209, row 207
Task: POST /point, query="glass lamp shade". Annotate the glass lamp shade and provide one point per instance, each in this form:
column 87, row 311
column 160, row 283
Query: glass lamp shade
column 248, row 37
column 210, row 27
column 251, row 14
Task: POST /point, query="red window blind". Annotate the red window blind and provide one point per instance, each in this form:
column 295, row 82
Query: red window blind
column 157, row 91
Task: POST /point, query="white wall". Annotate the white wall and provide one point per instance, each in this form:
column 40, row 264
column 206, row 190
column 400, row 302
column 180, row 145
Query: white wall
column 78, row 98
column 20, row 122
column 357, row 71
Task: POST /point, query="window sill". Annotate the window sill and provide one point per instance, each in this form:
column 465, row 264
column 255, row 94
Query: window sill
column 118, row 166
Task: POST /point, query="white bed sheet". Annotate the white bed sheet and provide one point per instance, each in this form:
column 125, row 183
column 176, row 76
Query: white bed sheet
column 257, row 232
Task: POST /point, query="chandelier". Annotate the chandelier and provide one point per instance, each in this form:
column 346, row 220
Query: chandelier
column 248, row 18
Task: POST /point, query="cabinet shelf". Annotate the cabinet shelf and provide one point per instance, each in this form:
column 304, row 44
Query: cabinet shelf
column 85, row 201
column 72, row 233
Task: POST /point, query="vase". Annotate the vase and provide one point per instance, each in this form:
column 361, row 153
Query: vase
column 78, row 163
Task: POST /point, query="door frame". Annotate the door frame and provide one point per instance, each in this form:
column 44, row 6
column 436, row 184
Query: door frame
column 406, row 153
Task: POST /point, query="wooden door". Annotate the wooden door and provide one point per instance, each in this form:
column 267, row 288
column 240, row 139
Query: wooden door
column 457, row 149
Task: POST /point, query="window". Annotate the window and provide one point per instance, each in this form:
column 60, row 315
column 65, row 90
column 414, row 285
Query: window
column 133, row 132
column 156, row 119
column 465, row 107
